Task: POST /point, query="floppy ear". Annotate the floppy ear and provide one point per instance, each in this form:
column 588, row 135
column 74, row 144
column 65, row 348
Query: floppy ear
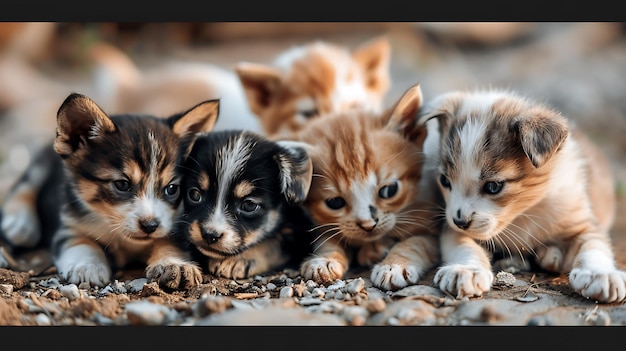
column 79, row 120
column 443, row 108
column 541, row 133
column 259, row 82
column 198, row 119
column 296, row 170
column 404, row 114
column 373, row 56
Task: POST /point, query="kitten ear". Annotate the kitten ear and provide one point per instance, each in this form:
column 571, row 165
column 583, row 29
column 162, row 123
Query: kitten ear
column 404, row 113
column 374, row 56
column 79, row 119
column 259, row 82
column 541, row 133
column 296, row 170
column 198, row 119
column 442, row 108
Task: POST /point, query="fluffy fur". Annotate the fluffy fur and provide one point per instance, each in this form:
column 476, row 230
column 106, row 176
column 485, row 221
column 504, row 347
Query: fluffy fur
column 314, row 79
column 241, row 196
column 517, row 177
column 106, row 189
column 365, row 196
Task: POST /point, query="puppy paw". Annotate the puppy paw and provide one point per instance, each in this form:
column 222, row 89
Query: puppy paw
column 550, row 258
column 232, row 267
column 92, row 273
column 394, row 276
column 20, row 225
column 175, row 275
column 463, row 280
column 605, row 287
column 322, row 270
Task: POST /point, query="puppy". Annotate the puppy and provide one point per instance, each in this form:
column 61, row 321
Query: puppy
column 106, row 189
column 520, row 178
column 241, row 196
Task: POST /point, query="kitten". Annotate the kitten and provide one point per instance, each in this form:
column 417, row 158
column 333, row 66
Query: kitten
column 106, row 189
column 365, row 196
column 516, row 176
column 240, row 203
column 313, row 79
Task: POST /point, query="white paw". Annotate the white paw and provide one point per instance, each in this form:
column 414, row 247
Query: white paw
column 461, row 280
column 322, row 270
column 21, row 226
column 550, row 258
column 605, row 287
column 175, row 275
column 394, row 276
column 94, row 274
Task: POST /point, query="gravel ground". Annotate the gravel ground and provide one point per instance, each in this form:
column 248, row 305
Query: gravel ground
column 573, row 66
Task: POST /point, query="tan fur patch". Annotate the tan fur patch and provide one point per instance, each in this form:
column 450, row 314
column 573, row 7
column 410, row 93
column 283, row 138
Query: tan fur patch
column 243, row 189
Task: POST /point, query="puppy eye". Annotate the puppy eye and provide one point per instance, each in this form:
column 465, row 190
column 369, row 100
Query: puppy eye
column 335, row 203
column 122, row 185
column 249, row 207
column 194, row 195
column 445, row 182
column 493, row 188
column 388, row 190
column 309, row 113
column 171, row 190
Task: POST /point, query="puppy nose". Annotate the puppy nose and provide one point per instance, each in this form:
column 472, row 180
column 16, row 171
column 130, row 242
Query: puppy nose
column 462, row 223
column 211, row 236
column 367, row 225
column 149, row 225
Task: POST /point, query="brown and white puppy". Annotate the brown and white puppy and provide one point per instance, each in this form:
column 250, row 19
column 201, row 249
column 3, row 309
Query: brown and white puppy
column 107, row 192
column 519, row 178
column 314, row 79
column 241, row 196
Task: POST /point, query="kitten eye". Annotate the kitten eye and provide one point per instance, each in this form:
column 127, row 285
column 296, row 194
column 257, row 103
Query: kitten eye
column 122, row 185
column 309, row 113
column 194, row 196
column 445, row 182
column 335, row 203
column 171, row 190
column 493, row 188
column 388, row 190
column 249, row 207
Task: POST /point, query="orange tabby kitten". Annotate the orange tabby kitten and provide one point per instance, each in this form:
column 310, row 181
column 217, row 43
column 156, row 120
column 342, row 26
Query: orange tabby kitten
column 365, row 195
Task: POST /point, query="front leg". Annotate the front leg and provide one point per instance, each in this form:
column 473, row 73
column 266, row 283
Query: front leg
column 257, row 259
column 466, row 270
column 593, row 273
column 328, row 263
column 171, row 267
column 406, row 262
column 80, row 259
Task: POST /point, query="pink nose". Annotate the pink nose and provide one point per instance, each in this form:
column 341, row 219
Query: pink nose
column 367, row 225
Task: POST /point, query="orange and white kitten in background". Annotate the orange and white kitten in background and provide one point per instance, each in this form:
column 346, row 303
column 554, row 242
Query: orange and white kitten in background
column 365, row 195
column 301, row 83
column 520, row 178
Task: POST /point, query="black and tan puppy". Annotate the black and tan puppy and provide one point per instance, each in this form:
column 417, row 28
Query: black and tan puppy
column 241, row 196
column 110, row 193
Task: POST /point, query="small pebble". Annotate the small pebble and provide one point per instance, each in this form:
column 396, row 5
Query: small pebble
column 6, row 288
column 355, row 286
column 148, row 313
column 317, row 292
column 271, row 286
column 70, row 291
column 310, row 284
column 42, row 319
column 504, row 278
column 286, row 291
column 136, row 285
column 339, row 284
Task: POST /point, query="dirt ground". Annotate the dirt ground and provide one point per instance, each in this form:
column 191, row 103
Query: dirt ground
column 576, row 67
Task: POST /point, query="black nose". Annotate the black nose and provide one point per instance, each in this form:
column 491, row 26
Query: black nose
column 461, row 223
column 211, row 236
column 149, row 225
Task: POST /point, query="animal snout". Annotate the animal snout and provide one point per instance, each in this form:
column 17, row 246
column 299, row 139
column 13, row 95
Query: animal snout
column 149, row 225
column 211, row 236
column 367, row 225
column 462, row 223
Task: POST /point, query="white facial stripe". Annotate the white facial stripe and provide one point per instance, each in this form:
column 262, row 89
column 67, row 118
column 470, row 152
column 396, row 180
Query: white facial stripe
column 347, row 92
column 363, row 196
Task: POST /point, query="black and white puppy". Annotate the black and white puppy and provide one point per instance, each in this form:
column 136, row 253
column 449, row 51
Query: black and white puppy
column 241, row 194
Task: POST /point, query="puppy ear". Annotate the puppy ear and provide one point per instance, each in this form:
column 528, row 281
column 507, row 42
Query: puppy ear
column 443, row 108
column 374, row 56
column 198, row 119
column 404, row 114
column 259, row 82
column 296, row 170
column 541, row 133
column 79, row 119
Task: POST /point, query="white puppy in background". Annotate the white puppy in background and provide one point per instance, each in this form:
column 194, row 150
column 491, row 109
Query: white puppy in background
column 518, row 178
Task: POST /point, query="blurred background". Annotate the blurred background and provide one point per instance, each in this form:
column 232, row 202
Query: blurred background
column 576, row 67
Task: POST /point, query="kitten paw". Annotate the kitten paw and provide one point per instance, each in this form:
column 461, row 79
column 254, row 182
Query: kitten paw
column 178, row 275
column 92, row 273
column 394, row 276
column 550, row 258
column 21, row 225
column 232, row 267
column 605, row 287
column 322, row 270
column 463, row 280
